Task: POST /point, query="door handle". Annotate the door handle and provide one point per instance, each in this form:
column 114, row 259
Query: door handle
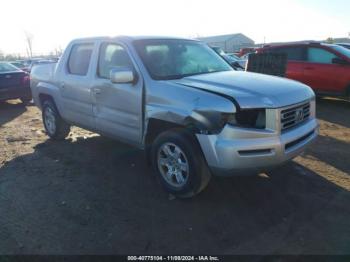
column 309, row 68
column 97, row 91
column 62, row 85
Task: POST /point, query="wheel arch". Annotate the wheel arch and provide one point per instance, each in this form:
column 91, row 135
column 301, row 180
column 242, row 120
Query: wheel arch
column 45, row 90
column 43, row 97
column 157, row 126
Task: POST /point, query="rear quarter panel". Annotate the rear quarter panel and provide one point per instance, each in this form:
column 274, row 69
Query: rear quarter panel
column 42, row 81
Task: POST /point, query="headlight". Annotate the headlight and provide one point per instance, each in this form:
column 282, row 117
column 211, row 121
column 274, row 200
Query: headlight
column 249, row 118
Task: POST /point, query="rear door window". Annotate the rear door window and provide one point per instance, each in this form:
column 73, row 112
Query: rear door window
column 320, row 55
column 79, row 59
column 296, row 53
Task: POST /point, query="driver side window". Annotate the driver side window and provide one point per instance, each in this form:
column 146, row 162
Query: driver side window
column 111, row 56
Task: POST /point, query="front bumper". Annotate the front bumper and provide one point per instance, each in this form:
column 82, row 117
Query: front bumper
column 243, row 151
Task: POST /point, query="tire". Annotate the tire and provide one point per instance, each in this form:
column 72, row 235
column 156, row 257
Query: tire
column 348, row 93
column 56, row 128
column 25, row 101
column 183, row 170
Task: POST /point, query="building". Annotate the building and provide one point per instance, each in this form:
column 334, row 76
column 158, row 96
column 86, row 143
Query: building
column 344, row 40
column 229, row 43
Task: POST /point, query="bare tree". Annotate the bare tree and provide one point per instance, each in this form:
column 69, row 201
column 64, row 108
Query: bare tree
column 29, row 40
column 58, row 51
column 330, row 40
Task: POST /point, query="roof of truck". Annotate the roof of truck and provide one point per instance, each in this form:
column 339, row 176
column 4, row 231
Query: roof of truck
column 129, row 38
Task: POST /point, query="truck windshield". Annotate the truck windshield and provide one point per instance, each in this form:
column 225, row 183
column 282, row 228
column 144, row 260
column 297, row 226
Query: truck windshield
column 174, row 59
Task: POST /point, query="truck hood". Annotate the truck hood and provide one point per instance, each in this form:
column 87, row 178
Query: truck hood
column 251, row 90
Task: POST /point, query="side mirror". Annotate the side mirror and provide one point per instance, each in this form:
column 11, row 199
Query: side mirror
column 340, row 61
column 122, row 75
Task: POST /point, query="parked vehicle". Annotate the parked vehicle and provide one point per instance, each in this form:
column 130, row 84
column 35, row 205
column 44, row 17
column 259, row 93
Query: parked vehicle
column 14, row 83
column 242, row 62
column 246, row 56
column 233, row 60
column 20, row 65
column 324, row 67
column 246, row 50
column 28, row 64
column 346, row 45
column 177, row 99
column 35, row 62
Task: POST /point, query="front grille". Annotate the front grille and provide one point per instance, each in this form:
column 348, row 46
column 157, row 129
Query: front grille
column 293, row 116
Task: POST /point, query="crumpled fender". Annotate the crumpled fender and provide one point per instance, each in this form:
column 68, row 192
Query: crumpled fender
column 203, row 112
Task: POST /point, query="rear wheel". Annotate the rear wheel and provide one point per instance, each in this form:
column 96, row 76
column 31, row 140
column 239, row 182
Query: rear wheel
column 179, row 163
column 55, row 126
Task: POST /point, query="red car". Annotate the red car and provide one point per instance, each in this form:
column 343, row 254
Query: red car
column 324, row 67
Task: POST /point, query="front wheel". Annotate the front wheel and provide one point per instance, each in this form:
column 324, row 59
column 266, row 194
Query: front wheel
column 179, row 163
column 54, row 125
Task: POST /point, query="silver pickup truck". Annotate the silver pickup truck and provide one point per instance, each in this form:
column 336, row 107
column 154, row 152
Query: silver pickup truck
column 180, row 102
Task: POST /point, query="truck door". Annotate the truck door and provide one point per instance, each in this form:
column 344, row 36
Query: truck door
column 75, row 86
column 117, row 107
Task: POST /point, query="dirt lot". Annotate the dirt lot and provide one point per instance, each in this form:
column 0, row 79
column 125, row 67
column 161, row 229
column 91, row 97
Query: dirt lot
column 91, row 195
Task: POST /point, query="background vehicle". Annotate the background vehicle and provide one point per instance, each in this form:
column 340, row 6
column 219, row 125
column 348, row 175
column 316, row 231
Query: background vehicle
column 346, row 45
column 14, row 83
column 232, row 59
column 20, row 65
column 246, row 50
column 37, row 61
column 241, row 61
column 246, row 56
column 324, row 67
column 181, row 102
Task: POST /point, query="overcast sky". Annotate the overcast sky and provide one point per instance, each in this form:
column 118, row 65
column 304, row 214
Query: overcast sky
column 54, row 22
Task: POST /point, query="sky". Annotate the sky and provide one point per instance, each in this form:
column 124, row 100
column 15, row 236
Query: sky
column 53, row 23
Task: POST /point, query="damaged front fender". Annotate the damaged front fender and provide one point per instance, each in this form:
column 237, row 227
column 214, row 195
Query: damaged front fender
column 203, row 113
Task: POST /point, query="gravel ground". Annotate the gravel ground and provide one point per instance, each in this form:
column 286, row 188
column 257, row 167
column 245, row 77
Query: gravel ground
column 92, row 195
